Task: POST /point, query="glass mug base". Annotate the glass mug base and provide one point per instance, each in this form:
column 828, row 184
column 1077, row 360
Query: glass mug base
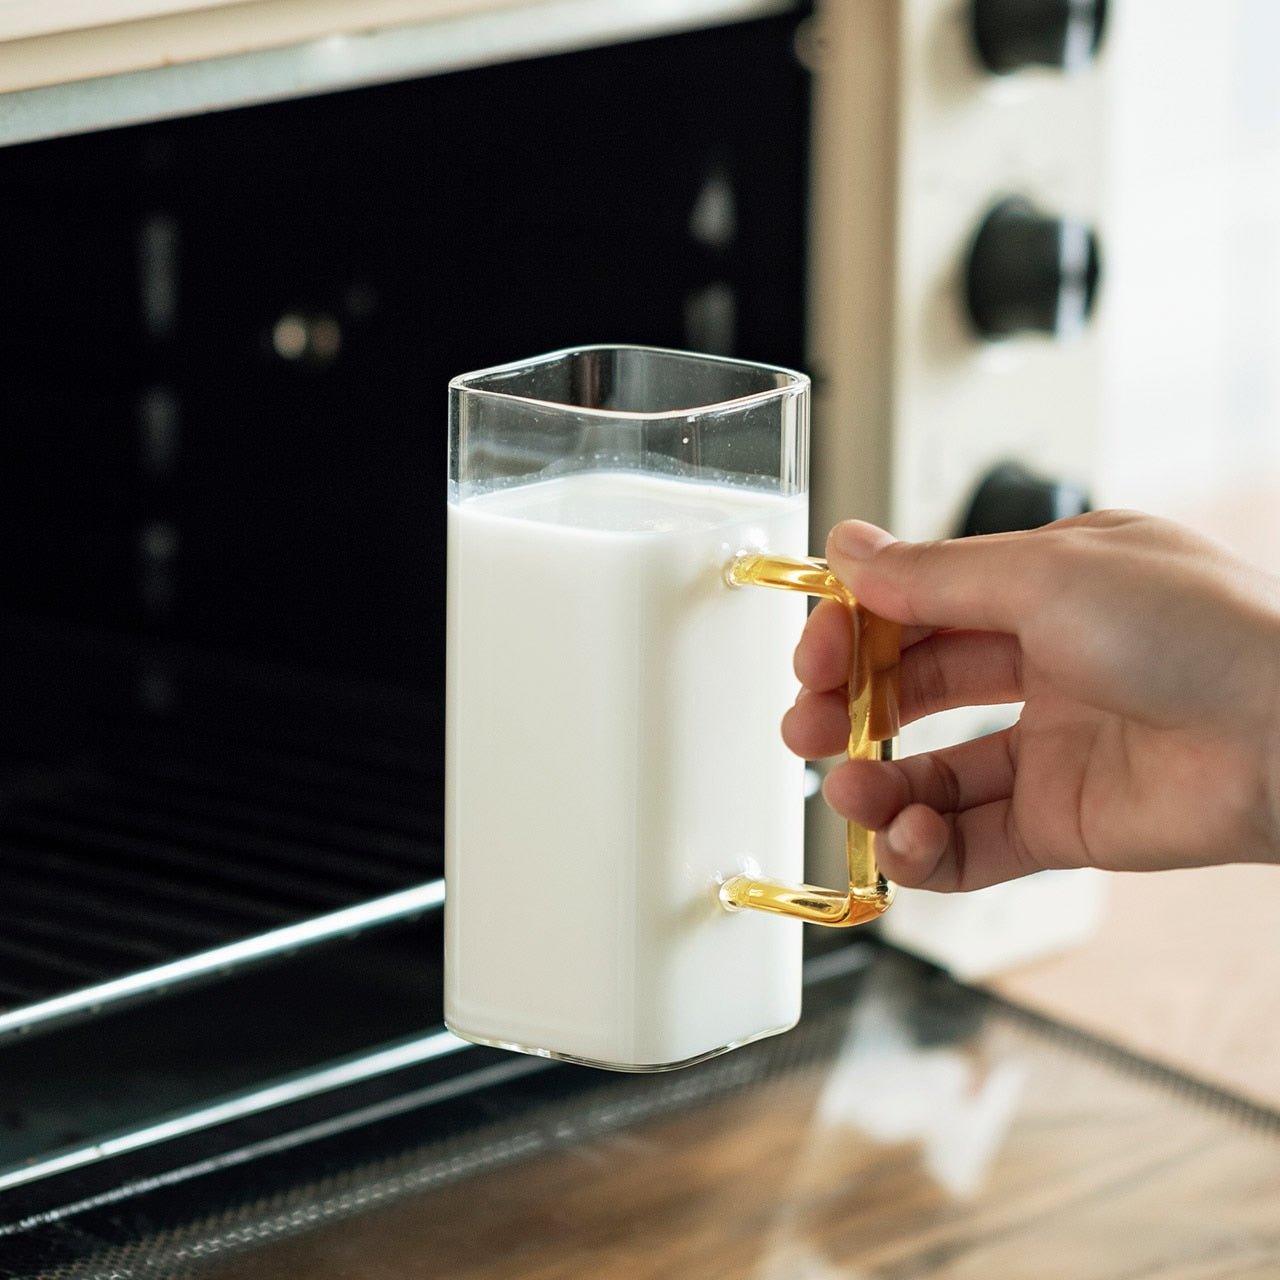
column 633, row 1068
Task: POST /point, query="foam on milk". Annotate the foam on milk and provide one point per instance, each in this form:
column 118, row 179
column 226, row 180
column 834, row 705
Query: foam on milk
column 612, row 754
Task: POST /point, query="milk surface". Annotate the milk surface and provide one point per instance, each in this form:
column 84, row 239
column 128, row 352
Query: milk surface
column 613, row 753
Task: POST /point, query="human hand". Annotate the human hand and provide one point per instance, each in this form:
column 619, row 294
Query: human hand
column 1148, row 662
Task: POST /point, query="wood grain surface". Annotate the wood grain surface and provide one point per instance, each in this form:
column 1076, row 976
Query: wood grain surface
column 1010, row 1153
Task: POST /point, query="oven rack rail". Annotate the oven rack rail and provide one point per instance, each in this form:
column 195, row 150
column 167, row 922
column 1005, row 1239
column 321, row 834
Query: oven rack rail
column 113, row 993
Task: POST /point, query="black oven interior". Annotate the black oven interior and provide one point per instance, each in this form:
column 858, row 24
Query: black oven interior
column 222, row 469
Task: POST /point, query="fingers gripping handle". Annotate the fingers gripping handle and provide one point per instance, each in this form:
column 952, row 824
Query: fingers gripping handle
column 873, row 719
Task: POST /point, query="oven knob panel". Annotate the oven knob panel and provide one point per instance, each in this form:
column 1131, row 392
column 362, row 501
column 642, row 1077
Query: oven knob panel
column 1011, row 498
column 1031, row 272
column 1012, row 34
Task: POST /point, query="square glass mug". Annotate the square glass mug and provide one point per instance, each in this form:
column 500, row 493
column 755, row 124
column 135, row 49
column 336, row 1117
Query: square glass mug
column 617, row 792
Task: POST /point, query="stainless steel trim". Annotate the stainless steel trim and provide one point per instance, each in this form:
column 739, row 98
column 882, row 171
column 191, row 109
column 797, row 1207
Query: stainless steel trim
column 346, row 61
column 395, row 906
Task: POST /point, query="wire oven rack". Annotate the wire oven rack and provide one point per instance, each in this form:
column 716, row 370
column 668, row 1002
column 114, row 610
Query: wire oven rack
column 167, row 818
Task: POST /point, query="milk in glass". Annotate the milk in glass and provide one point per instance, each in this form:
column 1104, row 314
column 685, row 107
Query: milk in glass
column 613, row 754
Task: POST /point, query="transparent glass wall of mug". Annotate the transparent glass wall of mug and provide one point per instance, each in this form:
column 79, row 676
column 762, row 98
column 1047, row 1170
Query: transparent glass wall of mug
column 613, row 753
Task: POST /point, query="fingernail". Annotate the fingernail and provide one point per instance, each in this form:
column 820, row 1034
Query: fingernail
column 888, row 839
column 859, row 540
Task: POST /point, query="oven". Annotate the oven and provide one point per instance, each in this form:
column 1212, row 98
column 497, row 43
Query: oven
column 244, row 248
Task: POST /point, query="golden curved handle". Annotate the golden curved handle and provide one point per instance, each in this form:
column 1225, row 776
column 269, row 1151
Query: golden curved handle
column 873, row 720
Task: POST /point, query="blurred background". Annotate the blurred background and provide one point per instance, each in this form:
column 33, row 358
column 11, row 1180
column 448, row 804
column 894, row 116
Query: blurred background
column 1192, row 310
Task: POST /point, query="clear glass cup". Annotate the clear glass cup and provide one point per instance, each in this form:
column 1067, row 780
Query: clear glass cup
column 615, row 782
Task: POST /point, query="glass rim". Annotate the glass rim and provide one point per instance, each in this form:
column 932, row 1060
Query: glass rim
column 792, row 382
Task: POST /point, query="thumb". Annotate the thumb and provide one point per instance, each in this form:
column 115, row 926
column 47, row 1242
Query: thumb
column 980, row 583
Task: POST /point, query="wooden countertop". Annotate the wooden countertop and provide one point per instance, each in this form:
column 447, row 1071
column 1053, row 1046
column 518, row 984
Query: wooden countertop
column 945, row 1135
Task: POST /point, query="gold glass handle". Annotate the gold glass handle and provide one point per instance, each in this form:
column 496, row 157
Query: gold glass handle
column 873, row 720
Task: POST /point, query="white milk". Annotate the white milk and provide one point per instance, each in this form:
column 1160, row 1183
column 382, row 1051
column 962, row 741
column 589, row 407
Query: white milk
column 613, row 754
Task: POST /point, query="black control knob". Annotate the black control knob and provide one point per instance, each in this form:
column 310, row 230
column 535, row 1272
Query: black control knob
column 1010, row 498
column 1029, row 271
column 1011, row 34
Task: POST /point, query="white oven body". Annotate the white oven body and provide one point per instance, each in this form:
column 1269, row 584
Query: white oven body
column 914, row 142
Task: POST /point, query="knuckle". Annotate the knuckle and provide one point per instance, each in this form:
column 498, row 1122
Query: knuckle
column 924, row 679
column 944, row 785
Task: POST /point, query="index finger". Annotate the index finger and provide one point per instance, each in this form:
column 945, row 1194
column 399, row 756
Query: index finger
column 984, row 583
